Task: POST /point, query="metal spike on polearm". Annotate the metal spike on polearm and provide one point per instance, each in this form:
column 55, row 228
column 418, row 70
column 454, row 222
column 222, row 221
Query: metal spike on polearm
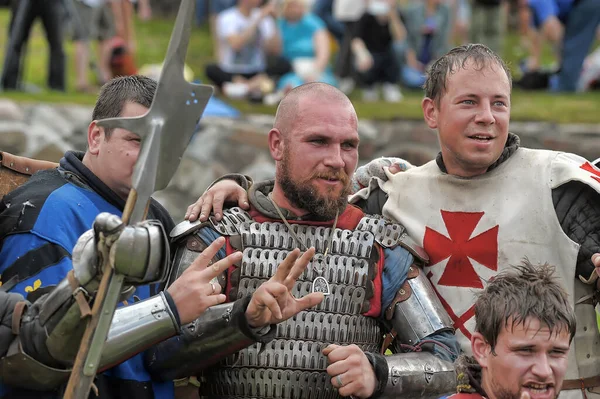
column 165, row 130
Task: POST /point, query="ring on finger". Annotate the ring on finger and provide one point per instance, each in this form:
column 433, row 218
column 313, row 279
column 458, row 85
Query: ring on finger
column 212, row 285
column 339, row 380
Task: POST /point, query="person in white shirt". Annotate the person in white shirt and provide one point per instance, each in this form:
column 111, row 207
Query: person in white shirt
column 246, row 34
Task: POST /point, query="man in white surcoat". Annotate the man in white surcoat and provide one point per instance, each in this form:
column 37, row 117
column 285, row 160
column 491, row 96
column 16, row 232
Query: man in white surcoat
column 485, row 204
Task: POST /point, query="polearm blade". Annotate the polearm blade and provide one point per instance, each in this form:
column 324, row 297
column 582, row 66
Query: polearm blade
column 166, row 129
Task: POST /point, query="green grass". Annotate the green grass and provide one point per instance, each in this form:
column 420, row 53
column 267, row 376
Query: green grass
column 153, row 38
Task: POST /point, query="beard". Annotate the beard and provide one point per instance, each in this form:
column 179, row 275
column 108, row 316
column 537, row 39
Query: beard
column 304, row 195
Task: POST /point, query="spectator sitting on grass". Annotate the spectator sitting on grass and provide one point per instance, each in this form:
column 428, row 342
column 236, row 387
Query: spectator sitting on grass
column 246, row 35
column 305, row 45
column 428, row 26
column 571, row 27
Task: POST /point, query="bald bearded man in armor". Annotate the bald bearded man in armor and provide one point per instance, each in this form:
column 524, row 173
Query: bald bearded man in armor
column 365, row 267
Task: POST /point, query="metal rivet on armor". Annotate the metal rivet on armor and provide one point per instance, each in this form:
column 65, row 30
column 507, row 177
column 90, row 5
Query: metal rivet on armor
column 27, row 169
column 12, row 164
column 402, row 292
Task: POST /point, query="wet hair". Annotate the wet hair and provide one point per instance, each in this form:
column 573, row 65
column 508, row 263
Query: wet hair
column 519, row 294
column 119, row 91
column 478, row 54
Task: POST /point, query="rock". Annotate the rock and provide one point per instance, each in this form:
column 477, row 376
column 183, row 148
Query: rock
column 263, row 168
column 50, row 117
column 45, row 144
column 205, row 142
column 193, row 177
column 10, row 111
column 13, row 137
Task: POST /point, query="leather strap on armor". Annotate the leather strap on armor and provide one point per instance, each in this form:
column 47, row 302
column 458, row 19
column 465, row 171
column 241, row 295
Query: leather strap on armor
column 418, row 375
column 78, row 294
column 26, row 166
column 20, row 307
column 582, row 383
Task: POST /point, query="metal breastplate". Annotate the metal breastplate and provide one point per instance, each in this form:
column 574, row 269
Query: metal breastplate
column 292, row 365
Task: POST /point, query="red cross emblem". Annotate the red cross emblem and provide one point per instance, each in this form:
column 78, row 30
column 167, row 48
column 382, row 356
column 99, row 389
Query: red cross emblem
column 459, row 321
column 593, row 170
column 461, row 248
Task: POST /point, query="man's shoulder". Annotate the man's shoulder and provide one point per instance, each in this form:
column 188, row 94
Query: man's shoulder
column 566, row 167
column 48, row 200
column 231, row 15
column 23, row 205
column 228, row 16
column 41, row 183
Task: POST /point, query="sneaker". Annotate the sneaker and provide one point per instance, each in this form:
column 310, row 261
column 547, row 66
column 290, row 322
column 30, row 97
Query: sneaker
column 391, row 93
column 273, row 98
column 370, row 94
column 346, row 85
column 235, row 90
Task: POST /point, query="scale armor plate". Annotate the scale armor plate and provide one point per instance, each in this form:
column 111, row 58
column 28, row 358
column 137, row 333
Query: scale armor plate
column 292, row 365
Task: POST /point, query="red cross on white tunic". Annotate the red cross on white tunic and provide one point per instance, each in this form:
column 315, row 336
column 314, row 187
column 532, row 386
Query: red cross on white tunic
column 461, row 248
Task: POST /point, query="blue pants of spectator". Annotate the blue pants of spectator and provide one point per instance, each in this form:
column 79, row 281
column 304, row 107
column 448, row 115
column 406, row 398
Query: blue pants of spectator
column 580, row 32
column 385, row 69
column 412, row 78
column 409, row 77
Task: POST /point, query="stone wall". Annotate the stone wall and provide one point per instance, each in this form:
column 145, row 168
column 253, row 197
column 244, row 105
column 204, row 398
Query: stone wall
column 224, row 145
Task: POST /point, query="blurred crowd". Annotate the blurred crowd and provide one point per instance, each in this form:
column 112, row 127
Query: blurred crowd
column 265, row 48
column 107, row 22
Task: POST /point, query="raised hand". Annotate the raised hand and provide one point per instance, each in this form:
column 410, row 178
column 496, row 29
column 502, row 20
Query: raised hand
column 350, row 370
column 197, row 289
column 273, row 301
column 214, row 198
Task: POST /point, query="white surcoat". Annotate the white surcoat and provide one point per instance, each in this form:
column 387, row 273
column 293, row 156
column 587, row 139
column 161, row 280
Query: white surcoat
column 472, row 228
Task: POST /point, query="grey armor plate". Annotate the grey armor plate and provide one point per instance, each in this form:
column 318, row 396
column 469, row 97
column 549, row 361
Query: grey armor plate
column 292, row 365
column 231, row 220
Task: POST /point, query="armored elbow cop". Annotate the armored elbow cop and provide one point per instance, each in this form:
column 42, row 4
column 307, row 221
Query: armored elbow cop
column 416, row 312
column 140, row 252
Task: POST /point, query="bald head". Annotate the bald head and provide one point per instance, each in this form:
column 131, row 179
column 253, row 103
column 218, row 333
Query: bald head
column 294, row 103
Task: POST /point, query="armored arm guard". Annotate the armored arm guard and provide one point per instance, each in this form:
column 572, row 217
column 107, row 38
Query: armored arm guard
column 418, row 316
column 218, row 332
column 45, row 347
